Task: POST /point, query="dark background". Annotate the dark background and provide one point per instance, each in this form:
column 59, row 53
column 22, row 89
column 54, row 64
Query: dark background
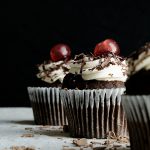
column 30, row 29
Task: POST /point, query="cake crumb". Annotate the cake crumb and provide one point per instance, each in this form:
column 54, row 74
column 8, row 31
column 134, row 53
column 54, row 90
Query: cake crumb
column 80, row 142
column 21, row 148
column 28, row 128
column 120, row 139
column 27, row 135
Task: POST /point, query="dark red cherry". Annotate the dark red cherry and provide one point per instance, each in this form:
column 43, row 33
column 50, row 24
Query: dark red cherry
column 60, row 52
column 108, row 45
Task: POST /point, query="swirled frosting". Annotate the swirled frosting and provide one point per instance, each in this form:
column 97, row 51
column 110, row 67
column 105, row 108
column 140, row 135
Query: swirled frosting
column 140, row 59
column 52, row 71
column 108, row 67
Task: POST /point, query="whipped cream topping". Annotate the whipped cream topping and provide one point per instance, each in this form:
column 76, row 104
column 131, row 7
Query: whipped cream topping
column 103, row 68
column 53, row 71
column 140, row 60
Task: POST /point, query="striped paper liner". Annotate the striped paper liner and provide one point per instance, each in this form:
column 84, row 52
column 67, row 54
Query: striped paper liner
column 93, row 113
column 137, row 111
column 47, row 106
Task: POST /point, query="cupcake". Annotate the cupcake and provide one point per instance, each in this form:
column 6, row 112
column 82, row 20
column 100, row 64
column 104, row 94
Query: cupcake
column 137, row 101
column 92, row 92
column 45, row 98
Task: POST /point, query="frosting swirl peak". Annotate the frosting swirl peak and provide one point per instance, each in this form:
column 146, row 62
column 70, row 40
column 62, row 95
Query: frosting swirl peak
column 107, row 67
column 140, row 59
column 50, row 71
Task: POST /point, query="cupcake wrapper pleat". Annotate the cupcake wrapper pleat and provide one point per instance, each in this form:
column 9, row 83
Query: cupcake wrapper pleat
column 47, row 106
column 137, row 110
column 93, row 113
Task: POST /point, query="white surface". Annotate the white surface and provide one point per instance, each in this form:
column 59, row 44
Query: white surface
column 17, row 122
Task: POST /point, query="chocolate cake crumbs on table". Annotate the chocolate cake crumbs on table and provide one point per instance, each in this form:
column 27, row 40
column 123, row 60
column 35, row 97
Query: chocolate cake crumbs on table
column 15, row 122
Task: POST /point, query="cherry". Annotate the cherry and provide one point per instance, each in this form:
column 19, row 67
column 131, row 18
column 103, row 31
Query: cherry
column 60, row 52
column 108, row 45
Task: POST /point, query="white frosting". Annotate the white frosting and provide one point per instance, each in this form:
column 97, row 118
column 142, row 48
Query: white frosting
column 114, row 71
column 142, row 62
column 75, row 66
column 110, row 73
column 53, row 71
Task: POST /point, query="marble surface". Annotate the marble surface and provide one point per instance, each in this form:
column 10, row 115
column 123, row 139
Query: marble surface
column 18, row 132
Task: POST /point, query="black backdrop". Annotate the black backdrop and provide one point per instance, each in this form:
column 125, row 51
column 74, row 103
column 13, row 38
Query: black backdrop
column 29, row 29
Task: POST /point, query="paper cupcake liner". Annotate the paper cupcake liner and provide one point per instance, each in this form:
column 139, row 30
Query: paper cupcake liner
column 93, row 113
column 137, row 110
column 47, row 106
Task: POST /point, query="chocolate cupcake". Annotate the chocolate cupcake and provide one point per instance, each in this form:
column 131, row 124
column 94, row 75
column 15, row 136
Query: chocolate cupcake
column 92, row 95
column 45, row 98
column 137, row 101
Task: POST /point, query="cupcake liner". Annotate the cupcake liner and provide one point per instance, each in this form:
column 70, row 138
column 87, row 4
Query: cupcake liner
column 137, row 109
column 47, row 106
column 93, row 113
